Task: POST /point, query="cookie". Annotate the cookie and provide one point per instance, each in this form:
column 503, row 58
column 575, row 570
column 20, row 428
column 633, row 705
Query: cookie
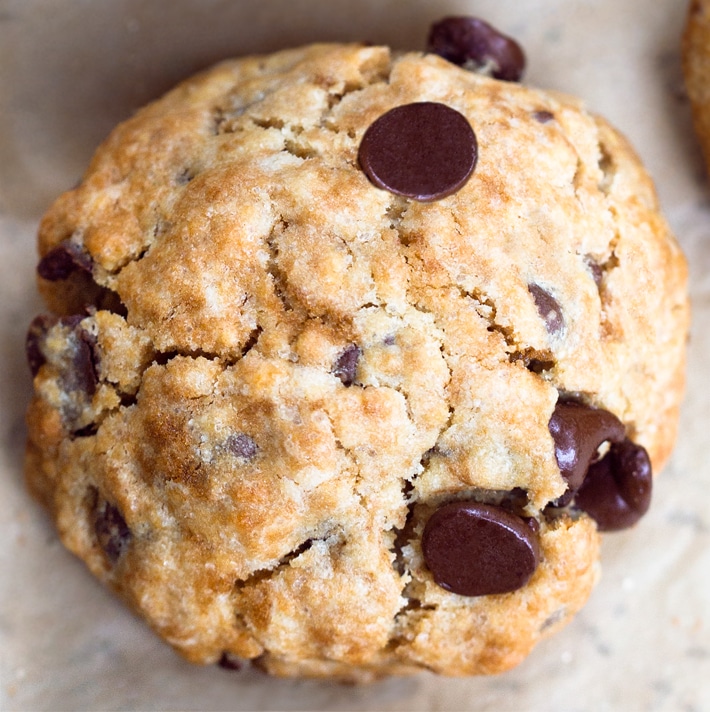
column 351, row 356
column 696, row 69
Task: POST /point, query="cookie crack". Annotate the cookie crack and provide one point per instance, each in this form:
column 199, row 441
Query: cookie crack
column 259, row 575
column 534, row 360
column 162, row 358
column 607, row 166
column 278, row 278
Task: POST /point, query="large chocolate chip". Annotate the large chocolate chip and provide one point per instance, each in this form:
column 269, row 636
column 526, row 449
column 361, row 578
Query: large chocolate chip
column 549, row 309
column 242, row 446
column 478, row 549
column 470, row 42
column 346, row 365
column 424, row 151
column 578, row 430
column 35, row 338
column 617, row 489
column 111, row 530
column 62, row 260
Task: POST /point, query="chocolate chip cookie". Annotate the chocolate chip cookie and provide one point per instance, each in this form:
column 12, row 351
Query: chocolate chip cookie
column 351, row 356
column 696, row 69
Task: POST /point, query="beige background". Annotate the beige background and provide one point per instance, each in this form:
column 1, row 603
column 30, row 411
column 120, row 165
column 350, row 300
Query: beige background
column 69, row 70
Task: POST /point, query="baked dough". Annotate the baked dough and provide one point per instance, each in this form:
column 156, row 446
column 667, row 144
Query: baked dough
column 696, row 69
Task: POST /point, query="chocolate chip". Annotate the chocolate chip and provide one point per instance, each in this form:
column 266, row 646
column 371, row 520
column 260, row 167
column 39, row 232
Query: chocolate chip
column 549, row 309
column 346, row 365
column 478, row 549
column 62, row 260
column 242, row 446
column 543, row 116
column 72, row 321
column 85, row 363
column 111, row 530
column 617, row 489
column 82, row 374
column 423, row 151
column 36, row 334
column 229, row 661
column 578, row 430
column 470, row 42
column 596, row 270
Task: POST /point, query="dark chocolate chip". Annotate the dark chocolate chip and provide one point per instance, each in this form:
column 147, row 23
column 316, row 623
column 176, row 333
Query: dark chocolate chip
column 84, row 357
column 578, row 430
column 72, row 321
column 478, row 549
column 242, row 446
column 85, row 363
column 596, row 270
column 62, row 260
column 470, row 42
column 549, row 309
column 229, row 661
column 346, row 365
column 35, row 337
column 543, row 116
column 111, row 530
column 423, row 151
column 617, row 490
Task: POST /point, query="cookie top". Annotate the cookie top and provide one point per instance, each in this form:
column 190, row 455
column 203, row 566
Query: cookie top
column 696, row 69
column 305, row 340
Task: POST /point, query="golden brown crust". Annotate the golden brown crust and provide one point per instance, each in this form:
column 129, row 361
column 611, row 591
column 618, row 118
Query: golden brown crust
column 696, row 68
column 272, row 507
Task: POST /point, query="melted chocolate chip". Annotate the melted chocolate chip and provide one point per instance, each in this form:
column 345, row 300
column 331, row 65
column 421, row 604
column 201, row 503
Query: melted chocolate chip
column 423, row 151
column 36, row 334
column 478, row 549
column 346, row 365
column 62, row 260
column 578, row 430
column 549, row 309
column 470, row 42
column 617, row 489
column 242, row 446
column 111, row 530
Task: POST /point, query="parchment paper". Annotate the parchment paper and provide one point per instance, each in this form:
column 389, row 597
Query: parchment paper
column 69, row 70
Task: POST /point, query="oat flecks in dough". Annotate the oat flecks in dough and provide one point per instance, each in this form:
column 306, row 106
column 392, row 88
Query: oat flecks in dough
column 288, row 369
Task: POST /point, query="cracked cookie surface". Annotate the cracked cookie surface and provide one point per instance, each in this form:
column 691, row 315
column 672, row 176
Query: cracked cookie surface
column 266, row 373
